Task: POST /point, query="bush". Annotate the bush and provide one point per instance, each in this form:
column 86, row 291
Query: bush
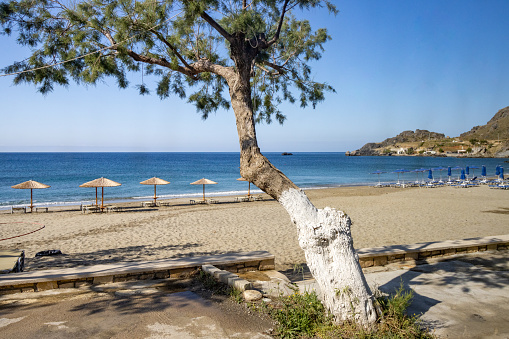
column 303, row 316
column 300, row 314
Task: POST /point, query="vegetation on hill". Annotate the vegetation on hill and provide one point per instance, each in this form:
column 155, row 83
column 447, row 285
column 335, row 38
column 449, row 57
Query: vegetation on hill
column 490, row 140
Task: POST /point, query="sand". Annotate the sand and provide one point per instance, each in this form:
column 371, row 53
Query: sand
column 381, row 216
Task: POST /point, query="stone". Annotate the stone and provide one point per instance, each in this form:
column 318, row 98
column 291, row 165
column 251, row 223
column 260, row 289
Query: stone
column 411, row 256
column 267, row 264
column 47, row 285
column 380, row 261
column 162, row 275
column 252, row 295
column 239, row 283
column 66, row 285
column 449, row 251
column 366, row 262
column 103, row 280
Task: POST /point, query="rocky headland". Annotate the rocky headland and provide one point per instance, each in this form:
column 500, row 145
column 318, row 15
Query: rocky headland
column 490, row 140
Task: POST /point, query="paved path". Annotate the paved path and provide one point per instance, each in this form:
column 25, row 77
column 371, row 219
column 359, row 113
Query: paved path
column 462, row 297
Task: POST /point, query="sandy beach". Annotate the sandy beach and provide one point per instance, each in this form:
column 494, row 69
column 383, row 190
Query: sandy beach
column 381, row 216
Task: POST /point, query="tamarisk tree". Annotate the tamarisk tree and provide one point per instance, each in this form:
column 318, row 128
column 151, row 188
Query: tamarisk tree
column 258, row 52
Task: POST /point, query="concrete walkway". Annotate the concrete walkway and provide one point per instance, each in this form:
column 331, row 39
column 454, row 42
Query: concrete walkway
column 464, row 295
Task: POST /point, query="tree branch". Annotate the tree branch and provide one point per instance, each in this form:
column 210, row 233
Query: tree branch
column 279, row 69
column 280, row 24
column 170, row 46
column 216, row 26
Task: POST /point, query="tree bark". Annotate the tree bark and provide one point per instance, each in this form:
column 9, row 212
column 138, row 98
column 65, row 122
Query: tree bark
column 324, row 234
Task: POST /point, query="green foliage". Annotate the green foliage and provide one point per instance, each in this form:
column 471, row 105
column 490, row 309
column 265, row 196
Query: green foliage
column 303, row 316
column 184, row 45
column 441, row 150
column 469, row 150
column 300, row 314
column 410, row 151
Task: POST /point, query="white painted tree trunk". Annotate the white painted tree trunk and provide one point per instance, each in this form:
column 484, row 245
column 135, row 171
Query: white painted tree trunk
column 324, row 235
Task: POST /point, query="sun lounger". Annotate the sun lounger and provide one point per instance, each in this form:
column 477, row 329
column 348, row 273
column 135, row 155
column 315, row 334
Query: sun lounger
column 45, row 209
column 90, row 208
column 12, row 261
column 14, row 209
column 149, row 204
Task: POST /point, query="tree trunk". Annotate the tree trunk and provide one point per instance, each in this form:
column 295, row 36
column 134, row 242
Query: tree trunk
column 324, row 235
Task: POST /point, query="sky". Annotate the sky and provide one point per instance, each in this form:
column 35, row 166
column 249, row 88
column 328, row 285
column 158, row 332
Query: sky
column 396, row 65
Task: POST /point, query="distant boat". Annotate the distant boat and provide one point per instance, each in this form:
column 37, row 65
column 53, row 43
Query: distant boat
column 286, row 153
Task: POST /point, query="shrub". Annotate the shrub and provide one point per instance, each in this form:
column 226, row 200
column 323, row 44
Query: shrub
column 300, row 314
column 303, row 316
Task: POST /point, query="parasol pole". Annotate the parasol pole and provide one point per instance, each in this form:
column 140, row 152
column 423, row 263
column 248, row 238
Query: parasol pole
column 155, row 197
column 249, row 190
column 31, row 204
column 203, row 192
column 102, row 198
column 96, row 197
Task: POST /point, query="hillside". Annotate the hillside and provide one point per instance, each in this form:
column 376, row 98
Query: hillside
column 497, row 128
column 490, row 140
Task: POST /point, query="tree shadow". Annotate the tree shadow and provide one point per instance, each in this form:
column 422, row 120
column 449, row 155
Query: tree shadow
column 451, row 273
column 106, row 256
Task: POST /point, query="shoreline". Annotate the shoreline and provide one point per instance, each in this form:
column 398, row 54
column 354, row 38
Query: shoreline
column 165, row 198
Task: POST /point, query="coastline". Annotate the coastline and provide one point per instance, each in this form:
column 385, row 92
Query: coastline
column 380, row 216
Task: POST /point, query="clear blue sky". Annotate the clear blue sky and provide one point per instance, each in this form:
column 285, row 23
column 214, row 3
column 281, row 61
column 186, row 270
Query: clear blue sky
column 396, row 65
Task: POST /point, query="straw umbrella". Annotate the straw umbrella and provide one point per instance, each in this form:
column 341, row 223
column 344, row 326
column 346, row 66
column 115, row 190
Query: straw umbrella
column 100, row 182
column 204, row 182
column 155, row 181
column 30, row 184
column 249, row 187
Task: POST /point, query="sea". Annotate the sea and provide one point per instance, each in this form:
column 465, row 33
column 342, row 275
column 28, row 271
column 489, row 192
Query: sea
column 64, row 172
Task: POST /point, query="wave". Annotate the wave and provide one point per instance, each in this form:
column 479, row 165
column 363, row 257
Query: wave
column 7, row 205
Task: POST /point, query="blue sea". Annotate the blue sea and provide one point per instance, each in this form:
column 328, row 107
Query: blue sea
column 64, row 172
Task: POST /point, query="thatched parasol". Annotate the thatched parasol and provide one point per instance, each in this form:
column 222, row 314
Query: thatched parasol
column 100, row 182
column 249, row 187
column 30, row 184
column 204, row 182
column 155, row 181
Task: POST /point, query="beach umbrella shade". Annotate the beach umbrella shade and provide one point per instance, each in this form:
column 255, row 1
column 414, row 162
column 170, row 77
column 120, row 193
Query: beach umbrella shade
column 483, row 171
column 501, row 175
column 497, row 170
column 204, row 182
column 100, row 182
column 449, row 172
column 440, row 169
column 248, row 188
column 155, row 181
column 457, row 168
column 467, row 171
column 31, row 185
column 463, row 176
column 473, row 168
column 401, row 170
column 376, row 172
column 417, row 171
column 430, row 174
